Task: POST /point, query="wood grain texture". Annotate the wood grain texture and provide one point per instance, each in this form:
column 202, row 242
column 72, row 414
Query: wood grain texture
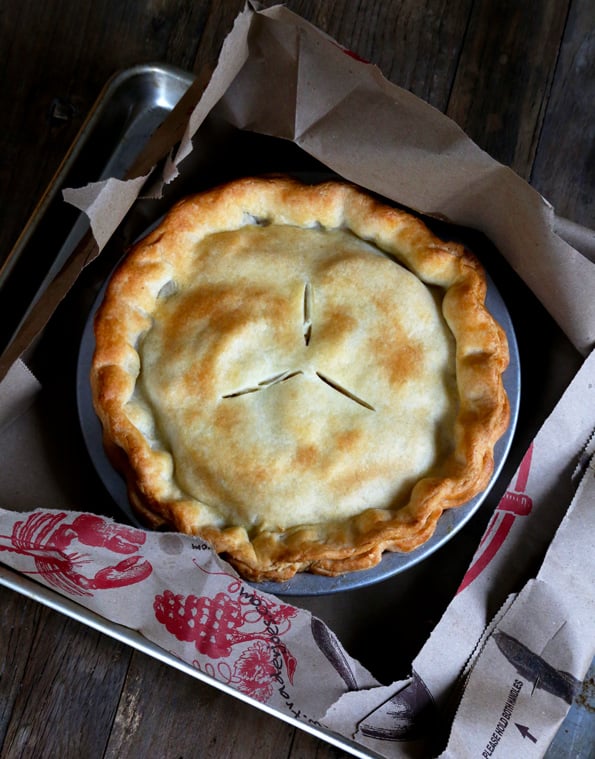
column 66, row 662
column 198, row 721
column 564, row 168
column 415, row 45
column 504, row 76
column 19, row 619
column 518, row 77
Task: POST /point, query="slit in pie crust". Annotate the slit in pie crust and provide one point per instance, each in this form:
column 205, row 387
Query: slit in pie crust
column 301, row 375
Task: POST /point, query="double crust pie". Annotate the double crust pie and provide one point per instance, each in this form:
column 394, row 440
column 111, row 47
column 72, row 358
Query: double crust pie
column 301, row 375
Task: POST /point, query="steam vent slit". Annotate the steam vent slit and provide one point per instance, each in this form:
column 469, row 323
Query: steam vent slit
column 344, row 391
column 263, row 384
column 244, row 391
column 307, row 313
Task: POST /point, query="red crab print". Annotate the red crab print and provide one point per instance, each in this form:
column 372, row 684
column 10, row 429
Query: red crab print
column 47, row 536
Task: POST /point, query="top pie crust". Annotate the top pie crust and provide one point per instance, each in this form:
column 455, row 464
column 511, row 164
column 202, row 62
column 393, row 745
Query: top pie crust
column 301, row 375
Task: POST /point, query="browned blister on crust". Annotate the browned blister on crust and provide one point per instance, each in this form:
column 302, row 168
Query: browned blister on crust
column 301, row 375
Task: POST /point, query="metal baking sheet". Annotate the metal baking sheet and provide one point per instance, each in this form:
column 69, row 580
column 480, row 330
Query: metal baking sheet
column 387, row 613
column 131, row 106
column 306, row 584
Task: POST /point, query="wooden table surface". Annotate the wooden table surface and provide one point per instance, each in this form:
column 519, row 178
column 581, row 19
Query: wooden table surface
column 517, row 75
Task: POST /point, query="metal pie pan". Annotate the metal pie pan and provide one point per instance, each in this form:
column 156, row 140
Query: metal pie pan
column 307, row 584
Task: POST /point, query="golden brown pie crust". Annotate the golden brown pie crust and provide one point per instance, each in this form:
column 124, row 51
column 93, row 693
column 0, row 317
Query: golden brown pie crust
column 300, row 374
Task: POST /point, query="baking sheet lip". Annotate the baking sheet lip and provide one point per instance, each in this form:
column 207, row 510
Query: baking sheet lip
column 152, row 88
column 106, row 94
column 13, row 580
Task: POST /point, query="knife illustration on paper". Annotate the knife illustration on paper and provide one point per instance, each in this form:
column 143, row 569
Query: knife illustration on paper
column 405, row 716
column 329, row 646
column 536, row 670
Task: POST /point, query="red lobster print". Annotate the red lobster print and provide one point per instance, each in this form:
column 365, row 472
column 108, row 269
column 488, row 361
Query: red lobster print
column 46, row 537
column 214, row 626
column 513, row 504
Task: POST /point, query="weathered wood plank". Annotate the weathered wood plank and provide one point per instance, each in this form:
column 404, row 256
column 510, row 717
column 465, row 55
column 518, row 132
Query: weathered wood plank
column 161, row 707
column 564, row 169
column 504, row 75
column 19, row 620
column 415, row 44
column 68, row 690
column 306, row 746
